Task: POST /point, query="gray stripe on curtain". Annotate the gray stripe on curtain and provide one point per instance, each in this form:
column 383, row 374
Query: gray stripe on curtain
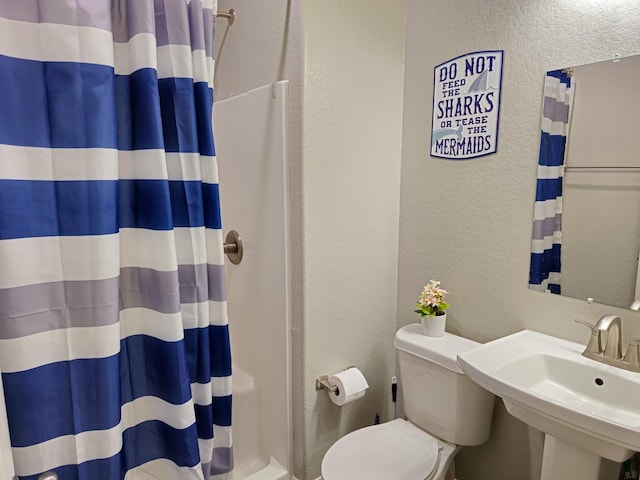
column 86, row 13
column 556, row 111
column 167, row 32
column 221, row 462
column 134, row 17
column 546, row 227
column 50, row 306
column 199, row 283
column 71, row 317
column 93, row 303
column 73, row 304
column 159, row 293
column 196, row 30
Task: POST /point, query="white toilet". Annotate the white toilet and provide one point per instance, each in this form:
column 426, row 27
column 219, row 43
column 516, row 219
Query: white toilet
column 444, row 408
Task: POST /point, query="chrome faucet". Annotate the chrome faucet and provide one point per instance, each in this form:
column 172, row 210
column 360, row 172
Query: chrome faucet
column 611, row 354
column 613, row 326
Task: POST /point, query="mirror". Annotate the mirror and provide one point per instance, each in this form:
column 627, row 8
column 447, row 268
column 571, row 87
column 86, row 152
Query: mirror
column 597, row 218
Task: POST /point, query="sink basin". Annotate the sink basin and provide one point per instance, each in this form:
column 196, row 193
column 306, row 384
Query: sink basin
column 546, row 382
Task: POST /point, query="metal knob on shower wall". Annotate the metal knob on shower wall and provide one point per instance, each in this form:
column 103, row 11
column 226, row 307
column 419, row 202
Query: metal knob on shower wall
column 233, row 248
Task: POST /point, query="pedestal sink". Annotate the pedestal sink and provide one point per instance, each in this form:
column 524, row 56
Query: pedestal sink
column 589, row 411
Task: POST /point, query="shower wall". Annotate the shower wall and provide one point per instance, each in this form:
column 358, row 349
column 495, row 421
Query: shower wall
column 251, row 143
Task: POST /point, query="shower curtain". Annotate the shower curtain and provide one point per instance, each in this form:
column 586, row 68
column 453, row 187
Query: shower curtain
column 114, row 344
column 545, row 272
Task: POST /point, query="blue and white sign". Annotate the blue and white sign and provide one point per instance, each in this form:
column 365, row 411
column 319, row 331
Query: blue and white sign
column 466, row 105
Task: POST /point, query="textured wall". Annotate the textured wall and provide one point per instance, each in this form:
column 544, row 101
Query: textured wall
column 352, row 135
column 468, row 223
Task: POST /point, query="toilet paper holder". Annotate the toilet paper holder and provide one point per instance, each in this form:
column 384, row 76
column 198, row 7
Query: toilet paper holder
column 323, row 382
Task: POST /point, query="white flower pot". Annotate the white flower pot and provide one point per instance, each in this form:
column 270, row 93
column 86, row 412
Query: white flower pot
column 434, row 326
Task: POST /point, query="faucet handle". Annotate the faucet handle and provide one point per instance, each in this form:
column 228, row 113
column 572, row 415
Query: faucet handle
column 632, row 355
column 594, row 345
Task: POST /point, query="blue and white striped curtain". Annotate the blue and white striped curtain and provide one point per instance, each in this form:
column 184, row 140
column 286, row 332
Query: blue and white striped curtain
column 545, row 272
column 114, row 345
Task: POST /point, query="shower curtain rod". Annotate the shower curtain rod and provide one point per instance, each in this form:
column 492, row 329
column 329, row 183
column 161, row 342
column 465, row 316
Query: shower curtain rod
column 230, row 15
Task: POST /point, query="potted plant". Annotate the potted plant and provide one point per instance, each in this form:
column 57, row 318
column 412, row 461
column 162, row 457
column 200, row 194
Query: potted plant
column 431, row 308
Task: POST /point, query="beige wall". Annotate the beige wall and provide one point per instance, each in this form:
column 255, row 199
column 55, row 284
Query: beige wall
column 352, row 135
column 468, row 223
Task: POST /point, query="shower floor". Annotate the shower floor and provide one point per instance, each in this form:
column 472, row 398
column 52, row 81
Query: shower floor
column 258, row 471
column 250, row 462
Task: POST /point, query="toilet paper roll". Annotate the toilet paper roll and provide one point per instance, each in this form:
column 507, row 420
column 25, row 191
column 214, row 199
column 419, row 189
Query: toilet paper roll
column 351, row 386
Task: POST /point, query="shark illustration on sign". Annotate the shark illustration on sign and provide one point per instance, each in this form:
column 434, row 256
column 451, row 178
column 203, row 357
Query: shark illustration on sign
column 445, row 132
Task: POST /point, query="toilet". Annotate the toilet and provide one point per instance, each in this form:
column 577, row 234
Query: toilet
column 445, row 411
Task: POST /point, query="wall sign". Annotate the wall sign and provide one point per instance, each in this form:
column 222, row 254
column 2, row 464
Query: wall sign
column 466, row 105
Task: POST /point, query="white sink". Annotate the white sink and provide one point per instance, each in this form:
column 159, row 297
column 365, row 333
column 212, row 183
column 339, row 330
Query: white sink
column 546, row 382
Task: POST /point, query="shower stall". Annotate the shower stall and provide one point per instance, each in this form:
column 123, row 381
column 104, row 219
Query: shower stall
column 251, row 134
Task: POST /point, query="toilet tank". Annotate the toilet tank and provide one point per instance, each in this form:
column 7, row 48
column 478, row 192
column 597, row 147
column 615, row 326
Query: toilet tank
column 437, row 396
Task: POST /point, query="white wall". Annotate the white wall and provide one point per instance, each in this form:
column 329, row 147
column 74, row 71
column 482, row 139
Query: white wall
column 351, row 183
column 345, row 136
column 468, row 223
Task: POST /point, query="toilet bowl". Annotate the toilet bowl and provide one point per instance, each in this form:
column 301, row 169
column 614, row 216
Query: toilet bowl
column 445, row 411
column 392, row 450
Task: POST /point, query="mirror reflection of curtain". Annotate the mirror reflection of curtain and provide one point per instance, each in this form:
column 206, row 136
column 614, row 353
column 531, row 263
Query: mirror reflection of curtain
column 545, row 272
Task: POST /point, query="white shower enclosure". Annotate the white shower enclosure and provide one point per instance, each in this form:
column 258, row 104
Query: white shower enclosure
column 251, row 134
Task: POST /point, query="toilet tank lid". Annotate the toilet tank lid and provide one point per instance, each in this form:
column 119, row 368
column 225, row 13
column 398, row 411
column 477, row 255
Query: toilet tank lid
column 440, row 350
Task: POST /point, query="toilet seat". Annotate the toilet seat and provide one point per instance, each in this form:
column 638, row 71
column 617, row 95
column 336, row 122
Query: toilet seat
column 396, row 449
